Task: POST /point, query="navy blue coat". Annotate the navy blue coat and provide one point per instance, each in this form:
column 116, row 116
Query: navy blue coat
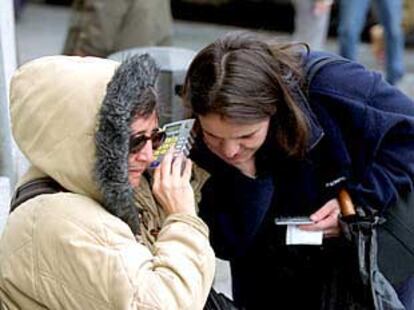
column 362, row 131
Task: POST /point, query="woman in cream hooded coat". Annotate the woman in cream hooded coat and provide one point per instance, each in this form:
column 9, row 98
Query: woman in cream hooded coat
column 83, row 248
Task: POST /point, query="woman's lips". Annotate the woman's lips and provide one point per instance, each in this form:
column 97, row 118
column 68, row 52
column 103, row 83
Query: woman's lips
column 136, row 170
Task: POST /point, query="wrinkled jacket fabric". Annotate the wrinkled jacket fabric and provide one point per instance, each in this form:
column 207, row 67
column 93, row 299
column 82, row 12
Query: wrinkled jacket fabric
column 362, row 131
column 75, row 250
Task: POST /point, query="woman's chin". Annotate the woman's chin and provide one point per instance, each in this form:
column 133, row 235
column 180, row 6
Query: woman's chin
column 134, row 180
column 236, row 161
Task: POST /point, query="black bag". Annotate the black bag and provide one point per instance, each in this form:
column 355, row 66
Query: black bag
column 359, row 282
column 218, row 301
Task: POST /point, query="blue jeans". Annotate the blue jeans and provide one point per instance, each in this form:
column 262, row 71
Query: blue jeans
column 406, row 293
column 352, row 17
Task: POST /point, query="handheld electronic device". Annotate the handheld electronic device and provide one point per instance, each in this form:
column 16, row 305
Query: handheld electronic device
column 177, row 136
column 294, row 220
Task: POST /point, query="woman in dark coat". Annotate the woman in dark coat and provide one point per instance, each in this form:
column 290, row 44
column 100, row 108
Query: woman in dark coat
column 280, row 133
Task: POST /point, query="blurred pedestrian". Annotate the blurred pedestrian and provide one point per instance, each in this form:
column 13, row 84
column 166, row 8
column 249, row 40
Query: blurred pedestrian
column 102, row 27
column 376, row 34
column 352, row 16
column 312, row 21
column 18, row 7
column 408, row 20
column 377, row 31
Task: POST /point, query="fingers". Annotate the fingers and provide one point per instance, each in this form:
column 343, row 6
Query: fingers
column 329, row 227
column 187, row 169
column 171, row 186
column 156, row 177
column 166, row 165
column 173, row 171
column 331, row 208
column 326, row 219
column 176, row 167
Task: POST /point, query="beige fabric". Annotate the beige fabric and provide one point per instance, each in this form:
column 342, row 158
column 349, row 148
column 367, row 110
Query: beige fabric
column 152, row 215
column 54, row 120
column 102, row 27
column 64, row 251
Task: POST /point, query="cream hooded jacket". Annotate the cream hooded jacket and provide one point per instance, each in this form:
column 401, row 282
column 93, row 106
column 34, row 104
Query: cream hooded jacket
column 79, row 249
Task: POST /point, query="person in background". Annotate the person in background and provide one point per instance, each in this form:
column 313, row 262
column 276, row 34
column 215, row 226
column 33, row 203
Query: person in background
column 352, row 17
column 377, row 31
column 277, row 144
column 312, row 22
column 408, row 21
column 90, row 126
column 18, row 6
column 102, row 27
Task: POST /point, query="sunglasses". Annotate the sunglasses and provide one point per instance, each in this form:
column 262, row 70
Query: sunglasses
column 137, row 143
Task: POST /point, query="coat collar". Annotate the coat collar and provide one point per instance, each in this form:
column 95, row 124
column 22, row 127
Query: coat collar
column 315, row 128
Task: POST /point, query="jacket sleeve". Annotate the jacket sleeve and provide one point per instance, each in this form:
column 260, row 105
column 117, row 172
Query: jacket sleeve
column 377, row 123
column 390, row 133
column 178, row 275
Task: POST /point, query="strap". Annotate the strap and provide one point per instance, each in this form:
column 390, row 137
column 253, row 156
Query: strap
column 400, row 222
column 313, row 66
column 34, row 188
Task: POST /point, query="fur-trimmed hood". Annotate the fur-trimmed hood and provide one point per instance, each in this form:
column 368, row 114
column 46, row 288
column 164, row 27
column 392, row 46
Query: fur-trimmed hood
column 122, row 97
column 71, row 117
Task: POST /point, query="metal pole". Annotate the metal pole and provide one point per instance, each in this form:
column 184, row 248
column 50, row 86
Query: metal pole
column 6, row 153
column 7, row 66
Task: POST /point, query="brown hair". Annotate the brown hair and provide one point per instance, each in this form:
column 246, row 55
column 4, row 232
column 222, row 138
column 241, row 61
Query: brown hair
column 245, row 78
column 147, row 103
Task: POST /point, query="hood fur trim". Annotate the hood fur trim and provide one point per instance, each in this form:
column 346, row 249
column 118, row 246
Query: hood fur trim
column 122, row 97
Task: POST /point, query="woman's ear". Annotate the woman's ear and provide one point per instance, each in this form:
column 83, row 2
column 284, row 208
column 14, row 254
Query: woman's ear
column 178, row 90
column 196, row 132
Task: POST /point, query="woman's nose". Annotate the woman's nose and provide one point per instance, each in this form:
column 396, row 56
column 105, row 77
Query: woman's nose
column 146, row 153
column 230, row 148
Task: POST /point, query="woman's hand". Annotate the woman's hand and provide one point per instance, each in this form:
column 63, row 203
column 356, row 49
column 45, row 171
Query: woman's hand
column 172, row 187
column 326, row 220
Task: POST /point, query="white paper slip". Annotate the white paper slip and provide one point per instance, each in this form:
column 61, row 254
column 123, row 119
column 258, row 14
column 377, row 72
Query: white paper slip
column 294, row 235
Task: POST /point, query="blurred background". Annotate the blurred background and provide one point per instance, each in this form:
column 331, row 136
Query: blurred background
column 42, row 25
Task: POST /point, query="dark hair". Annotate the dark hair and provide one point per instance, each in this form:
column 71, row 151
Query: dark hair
column 246, row 78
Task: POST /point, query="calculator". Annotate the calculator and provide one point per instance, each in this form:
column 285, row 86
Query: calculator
column 177, row 135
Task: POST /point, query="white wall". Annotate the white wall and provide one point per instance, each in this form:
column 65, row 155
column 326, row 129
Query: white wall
column 7, row 38
column 4, row 201
column 8, row 64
